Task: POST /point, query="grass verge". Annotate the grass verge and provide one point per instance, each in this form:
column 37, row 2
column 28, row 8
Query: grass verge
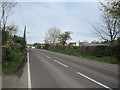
column 11, row 66
column 109, row 59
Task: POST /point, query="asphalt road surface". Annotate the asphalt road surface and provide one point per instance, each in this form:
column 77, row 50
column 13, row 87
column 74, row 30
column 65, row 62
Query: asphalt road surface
column 55, row 70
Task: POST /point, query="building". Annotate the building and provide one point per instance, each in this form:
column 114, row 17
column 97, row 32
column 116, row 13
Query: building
column 72, row 44
column 92, row 44
column 85, row 44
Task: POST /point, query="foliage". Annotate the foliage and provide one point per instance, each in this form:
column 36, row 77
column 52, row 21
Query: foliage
column 102, row 53
column 13, row 47
column 108, row 28
column 113, row 7
column 46, row 46
column 13, row 52
column 10, row 66
column 95, row 42
column 64, row 37
column 19, row 40
column 37, row 45
column 5, row 37
column 12, row 29
column 9, row 33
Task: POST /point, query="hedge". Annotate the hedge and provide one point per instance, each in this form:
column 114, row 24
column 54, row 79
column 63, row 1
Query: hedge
column 100, row 52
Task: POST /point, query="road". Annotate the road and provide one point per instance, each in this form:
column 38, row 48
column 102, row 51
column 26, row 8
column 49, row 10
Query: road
column 55, row 70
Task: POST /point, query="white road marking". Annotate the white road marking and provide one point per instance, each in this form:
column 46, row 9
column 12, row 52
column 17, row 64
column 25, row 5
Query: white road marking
column 42, row 53
column 48, row 56
column 29, row 76
column 61, row 63
column 94, row 81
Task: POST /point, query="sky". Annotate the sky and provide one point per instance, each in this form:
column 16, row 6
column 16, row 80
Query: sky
column 77, row 17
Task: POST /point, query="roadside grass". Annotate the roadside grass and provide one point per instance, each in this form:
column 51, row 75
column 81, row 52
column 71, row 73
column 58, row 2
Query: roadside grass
column 10, row 66
column 109, row 59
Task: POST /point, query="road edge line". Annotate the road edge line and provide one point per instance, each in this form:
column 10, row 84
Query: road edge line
column 29, row 76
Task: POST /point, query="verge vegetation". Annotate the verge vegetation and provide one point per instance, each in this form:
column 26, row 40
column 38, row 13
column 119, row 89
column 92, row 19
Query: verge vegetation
column 13, row 52
column 100, row 53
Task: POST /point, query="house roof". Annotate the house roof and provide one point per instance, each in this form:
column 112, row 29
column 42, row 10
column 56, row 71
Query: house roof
column 92, row 44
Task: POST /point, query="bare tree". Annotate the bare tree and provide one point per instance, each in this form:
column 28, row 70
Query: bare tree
column 52, row 35
column 6, row 9
column 108, row 28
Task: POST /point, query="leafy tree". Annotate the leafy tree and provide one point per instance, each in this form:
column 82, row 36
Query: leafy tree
column 46, row 46
column 37, row 45
column 108, row 28
column 95, row 42
column 112, row 6
column 6, row 9
column 64, row 37
column 19, row 40
column 9, row 33
column 12, row 29
column 5, row 36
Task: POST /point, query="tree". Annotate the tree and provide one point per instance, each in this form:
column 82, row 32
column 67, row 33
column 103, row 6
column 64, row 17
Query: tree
column 9, row 33
column 108, row 29
column 112, row 6
column 95, row 42
column 12, row 29
column 52, row 35
column 6, row 9
column 64, row 37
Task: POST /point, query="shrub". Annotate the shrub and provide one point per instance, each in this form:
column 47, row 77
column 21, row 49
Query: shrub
column 85, row 51
column 46, row 46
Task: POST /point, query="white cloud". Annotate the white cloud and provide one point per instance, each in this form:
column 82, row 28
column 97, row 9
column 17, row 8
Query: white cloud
column 56, row 0
column 38, row 17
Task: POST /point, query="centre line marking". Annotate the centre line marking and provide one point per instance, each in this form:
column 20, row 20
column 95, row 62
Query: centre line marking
column 61, row 63
column 42, row 53
column 94, row 81
column 48, row 57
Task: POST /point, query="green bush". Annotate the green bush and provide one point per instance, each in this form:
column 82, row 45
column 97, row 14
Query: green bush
column 102, row 53
column 13, row 51
column 12, row 65
column 39, row 47
column 46, row 46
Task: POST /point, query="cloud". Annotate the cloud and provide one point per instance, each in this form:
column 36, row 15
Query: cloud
column 57, row 0
column 38, row 17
